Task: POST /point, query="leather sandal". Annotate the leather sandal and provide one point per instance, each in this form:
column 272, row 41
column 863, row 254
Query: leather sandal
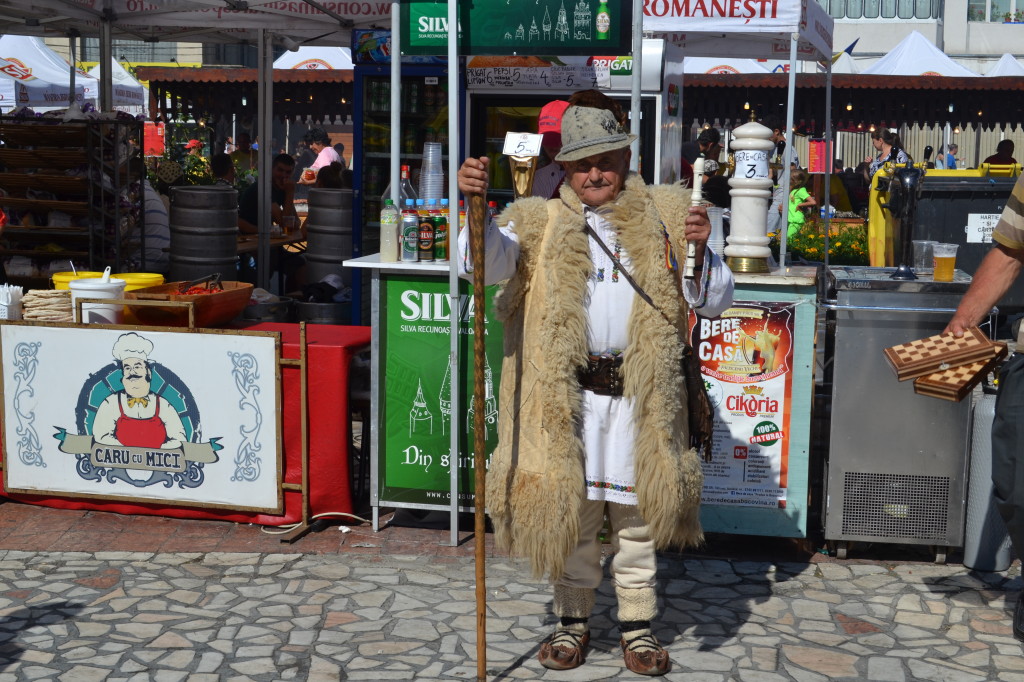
column 564, row 651
column 644, row 656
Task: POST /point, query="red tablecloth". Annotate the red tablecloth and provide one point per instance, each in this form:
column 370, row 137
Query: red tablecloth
column 331, row 347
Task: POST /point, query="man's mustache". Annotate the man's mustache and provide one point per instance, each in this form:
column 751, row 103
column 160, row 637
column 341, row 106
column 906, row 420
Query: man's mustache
column 134, row 376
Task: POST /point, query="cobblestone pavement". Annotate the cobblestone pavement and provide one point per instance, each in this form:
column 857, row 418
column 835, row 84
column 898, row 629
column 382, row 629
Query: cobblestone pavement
column 284, row 612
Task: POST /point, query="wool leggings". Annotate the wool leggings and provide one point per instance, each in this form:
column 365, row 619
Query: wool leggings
column 634, row 565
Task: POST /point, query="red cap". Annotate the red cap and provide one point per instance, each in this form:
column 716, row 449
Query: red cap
column 549, row 122
column 192, row 144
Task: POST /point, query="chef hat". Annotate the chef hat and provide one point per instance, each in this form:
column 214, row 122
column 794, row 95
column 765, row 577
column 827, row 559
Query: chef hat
column 131, row 345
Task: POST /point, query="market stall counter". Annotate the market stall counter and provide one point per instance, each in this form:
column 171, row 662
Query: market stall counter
column 757, row 357
column 44, row 476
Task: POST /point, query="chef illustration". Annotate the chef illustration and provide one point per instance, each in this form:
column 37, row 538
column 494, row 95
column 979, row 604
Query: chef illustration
column 135, row 416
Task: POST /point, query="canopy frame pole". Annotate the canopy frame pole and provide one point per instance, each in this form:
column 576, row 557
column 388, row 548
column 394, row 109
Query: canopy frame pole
column 634, row 95
column 787, row 155
column 830, row 153
column 265, row 107
column 396, row 101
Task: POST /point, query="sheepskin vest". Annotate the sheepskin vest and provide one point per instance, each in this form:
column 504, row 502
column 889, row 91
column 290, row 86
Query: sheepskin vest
column 536, row 479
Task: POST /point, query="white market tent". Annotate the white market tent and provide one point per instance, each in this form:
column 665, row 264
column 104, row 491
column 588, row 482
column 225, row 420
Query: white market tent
column 724, row 65
column 1006, row 66
column 917, row 56
column 19, row 87
column 38, row 58
column 844, row 64
column 316, row 57
column 129, row 94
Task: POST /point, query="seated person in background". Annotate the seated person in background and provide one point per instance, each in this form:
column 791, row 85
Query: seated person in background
column 157, row 234
column 838, row 197
column 304, row 157
column 1003, row 155
column 340, row 149
column 951, row 156
column 244, row 154
column 282, row 196
column 223, row 169
column 331, row 177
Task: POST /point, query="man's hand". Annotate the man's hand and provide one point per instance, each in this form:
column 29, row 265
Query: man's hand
column 959, row 324
column 697, row 229
column 473, row 177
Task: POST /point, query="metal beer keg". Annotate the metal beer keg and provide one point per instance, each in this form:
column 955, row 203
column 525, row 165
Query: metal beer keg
column 204, row 232
column 328, row 234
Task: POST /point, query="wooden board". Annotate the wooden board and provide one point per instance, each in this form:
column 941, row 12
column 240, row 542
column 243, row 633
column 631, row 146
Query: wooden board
column 936, row 353
column 957, row 382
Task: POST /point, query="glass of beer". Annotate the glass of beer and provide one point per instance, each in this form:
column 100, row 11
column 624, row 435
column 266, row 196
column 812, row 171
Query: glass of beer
column 944, row 256
column 309, row 175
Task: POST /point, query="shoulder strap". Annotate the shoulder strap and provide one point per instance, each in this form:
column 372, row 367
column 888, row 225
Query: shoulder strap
column 632, row 282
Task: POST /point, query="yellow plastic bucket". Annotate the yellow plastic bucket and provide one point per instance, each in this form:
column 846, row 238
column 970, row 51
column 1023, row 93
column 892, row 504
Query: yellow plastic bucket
column 61, row 279
column 140, row 280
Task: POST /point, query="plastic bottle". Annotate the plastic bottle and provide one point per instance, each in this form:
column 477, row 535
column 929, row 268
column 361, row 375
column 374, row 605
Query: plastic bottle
column 441, row 233
column 426, row 230
column 410, row 233
column 405, row 188
column 462, row 214
column 389, row 239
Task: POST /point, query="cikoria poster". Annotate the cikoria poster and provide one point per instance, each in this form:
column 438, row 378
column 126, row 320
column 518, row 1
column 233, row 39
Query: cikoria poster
column 149, row 416
column 746, row 357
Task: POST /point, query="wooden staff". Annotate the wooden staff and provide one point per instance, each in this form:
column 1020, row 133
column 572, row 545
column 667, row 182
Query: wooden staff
column 695, row 200
column 477, row 225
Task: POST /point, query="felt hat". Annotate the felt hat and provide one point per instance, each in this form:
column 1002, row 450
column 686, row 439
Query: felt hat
column 587, row 132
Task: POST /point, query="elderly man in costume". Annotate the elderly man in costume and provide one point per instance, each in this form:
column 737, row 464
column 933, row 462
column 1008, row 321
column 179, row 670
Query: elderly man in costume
column 593, row 416
column 136, row 416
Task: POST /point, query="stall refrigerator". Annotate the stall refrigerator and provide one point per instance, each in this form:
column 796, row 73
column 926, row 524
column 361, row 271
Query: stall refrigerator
column 897, row 461
column 424, row 119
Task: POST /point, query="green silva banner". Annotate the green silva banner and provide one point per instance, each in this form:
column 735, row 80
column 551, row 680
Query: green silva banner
column 537, row 27
column 415, row 437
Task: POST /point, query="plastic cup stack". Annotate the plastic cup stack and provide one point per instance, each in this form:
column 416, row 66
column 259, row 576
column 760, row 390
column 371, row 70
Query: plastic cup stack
column 717, row 238
column 432, row 174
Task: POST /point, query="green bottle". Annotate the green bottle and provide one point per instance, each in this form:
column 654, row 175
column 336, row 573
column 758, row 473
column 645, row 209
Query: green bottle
column 604, row 21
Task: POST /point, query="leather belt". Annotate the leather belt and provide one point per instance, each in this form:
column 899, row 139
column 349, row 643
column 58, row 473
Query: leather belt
column 602, row 375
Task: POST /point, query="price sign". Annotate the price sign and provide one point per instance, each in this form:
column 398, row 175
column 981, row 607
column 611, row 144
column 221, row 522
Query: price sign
column 752, row 164
column 522, row 144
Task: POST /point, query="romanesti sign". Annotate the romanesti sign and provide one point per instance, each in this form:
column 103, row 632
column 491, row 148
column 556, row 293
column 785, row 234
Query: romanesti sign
column 498, row 27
